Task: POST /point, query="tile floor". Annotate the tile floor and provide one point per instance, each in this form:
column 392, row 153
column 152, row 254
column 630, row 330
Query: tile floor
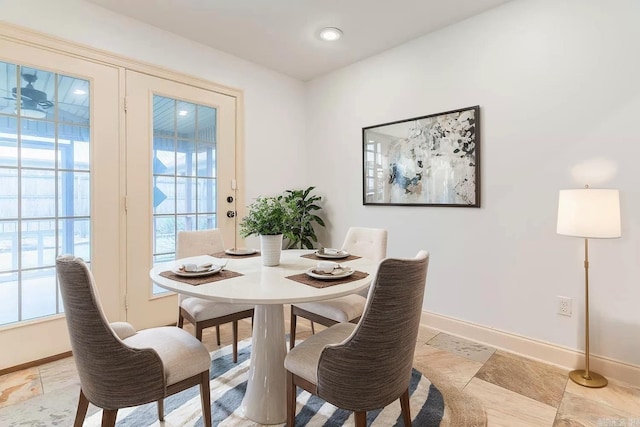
column 501, row 389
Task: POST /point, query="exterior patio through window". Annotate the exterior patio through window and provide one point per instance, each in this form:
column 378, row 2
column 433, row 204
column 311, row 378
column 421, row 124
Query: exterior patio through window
column 45, row 191
column 184, row 173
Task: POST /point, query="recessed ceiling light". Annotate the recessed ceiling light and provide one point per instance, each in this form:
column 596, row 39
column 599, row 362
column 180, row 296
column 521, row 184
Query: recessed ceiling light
column 80, row 92
column 183, row 113
column 330, row 34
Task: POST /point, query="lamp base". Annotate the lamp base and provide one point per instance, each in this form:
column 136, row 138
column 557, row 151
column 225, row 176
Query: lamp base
column 593, row 380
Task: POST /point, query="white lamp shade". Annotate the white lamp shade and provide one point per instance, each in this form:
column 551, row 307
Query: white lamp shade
column 590, row 213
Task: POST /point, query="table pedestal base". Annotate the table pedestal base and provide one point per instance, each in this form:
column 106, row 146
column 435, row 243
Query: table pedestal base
column 265, row 398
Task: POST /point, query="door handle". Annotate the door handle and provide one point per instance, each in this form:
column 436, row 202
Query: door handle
column 231, row 214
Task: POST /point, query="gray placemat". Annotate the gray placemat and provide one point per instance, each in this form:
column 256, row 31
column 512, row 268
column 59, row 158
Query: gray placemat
column 215, row 277
column 226, row 255
column 347, row 258
column 320, row 283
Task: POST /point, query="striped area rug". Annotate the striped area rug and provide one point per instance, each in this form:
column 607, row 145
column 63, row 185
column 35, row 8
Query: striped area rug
column 228, row 384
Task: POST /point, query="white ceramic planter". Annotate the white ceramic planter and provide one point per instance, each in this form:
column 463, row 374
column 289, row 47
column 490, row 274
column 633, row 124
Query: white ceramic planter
column 271, row 247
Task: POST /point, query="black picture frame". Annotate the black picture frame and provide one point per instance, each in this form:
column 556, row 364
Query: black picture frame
column 431, row 160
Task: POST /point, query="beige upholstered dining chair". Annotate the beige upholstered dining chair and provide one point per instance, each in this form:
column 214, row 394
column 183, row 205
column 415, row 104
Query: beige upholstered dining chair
column 369, row 243
column 119, row 367
column 202, row 313
column 366, row 366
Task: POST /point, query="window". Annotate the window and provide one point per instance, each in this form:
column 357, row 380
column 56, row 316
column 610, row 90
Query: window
column 44, row 186
column 184, row 172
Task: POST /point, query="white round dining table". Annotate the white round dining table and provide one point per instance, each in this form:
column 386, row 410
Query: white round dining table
column 268, row 288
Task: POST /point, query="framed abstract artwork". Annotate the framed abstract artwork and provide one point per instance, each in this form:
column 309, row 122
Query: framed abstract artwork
column 431, row 160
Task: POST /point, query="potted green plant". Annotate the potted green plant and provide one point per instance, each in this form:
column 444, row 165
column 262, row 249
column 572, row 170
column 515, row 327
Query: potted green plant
column 301, row 233
column 270, row 218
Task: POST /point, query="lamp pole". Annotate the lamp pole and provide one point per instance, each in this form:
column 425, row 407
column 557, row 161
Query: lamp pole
column 586, row 308
column 583, row 376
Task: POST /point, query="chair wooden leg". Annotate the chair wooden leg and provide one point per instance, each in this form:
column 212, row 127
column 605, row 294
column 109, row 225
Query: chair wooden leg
column 180, row 319
column 292, row 330
column 161, row 409
column 313, row 329
column 406, row 408
column 361, row 419
column 109, row 417
column 198, row 326
column 81, row 412
column 217, row 334
column 291, row 401
column 206, row 398
column 235, row 341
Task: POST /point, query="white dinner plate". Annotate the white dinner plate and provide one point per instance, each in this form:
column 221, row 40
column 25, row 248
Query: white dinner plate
column 338, row 273
column 240, row 251
column 332, row 254
column 204, row 272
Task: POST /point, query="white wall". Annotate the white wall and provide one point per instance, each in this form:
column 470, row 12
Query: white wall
column 558, row 88
column 274, row 103
column 557, row 84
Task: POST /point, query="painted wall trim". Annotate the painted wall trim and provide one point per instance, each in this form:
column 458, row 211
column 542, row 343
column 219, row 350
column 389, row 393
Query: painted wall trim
column 541, row 351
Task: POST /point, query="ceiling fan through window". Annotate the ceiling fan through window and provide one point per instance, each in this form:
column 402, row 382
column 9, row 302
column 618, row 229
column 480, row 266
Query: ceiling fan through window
column 33, row 102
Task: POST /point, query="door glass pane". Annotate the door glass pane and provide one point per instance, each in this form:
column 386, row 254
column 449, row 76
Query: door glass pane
column 8, row 82
column 9, row 193
column 74, row 237
column 184, row 172
column 38, row 193
column 185, row 158
column 207, row 199
column 188, row 222
column 39, row 293
column 44, row 186
column 8, row 247
column 186, row 123
column 206, row 221
column 164, row 200
column 208, row 123
column 37, row 144
column 8, row 139
column 38, row 243
column 164, row 234
column 73, row 147
column 73, row 194
column 186, row 197
column 9, row 298
column 164, row 153
column 35, row 94
column 73, row 99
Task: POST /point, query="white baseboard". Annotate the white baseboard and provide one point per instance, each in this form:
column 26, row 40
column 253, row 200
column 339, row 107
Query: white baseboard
column 534, row 349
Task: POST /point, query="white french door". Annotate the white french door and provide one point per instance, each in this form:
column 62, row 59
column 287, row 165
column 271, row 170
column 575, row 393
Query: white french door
column 181, row 166
column 60, row 191
column 78, row 175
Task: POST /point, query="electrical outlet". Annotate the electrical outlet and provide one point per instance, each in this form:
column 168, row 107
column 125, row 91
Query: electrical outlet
column 564, row 306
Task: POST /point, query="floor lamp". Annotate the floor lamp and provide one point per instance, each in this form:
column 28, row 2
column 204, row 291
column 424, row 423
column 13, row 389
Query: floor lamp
column 590, row 214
